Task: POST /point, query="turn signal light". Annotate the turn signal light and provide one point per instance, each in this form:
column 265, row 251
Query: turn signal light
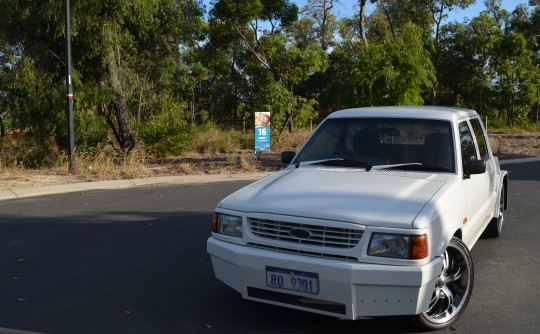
column 215, row 222
column 419, row 247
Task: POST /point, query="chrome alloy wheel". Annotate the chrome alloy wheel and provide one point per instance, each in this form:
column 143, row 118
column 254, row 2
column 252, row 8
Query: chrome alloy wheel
column 500, row 219
column 453, row 288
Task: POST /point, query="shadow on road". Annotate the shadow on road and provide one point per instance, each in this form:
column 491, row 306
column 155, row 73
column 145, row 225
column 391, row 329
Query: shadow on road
column 149, row 274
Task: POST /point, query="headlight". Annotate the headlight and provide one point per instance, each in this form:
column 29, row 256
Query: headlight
column 227, row 224
column 402, row 246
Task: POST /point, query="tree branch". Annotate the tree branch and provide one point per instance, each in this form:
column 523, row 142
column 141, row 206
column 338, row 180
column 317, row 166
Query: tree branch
column 259, row 58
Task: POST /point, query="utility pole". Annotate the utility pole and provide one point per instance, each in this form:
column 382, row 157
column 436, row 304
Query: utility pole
column 69, row 91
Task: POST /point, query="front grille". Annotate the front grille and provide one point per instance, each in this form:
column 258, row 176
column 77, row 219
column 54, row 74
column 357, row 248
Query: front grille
column 319, row 236
column 323, row 255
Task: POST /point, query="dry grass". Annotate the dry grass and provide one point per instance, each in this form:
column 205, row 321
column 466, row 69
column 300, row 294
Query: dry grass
column 106, row 162
column 211, row 139
column 515, row 145
column 214, row 151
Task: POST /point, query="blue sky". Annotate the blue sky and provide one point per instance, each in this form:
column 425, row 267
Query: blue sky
column 346, row 8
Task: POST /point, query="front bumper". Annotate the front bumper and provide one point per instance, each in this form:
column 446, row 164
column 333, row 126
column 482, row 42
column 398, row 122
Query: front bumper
column 346, row 290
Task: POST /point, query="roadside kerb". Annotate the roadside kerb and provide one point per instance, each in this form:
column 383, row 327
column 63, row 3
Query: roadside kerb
column 116, row 184
column 518, row 161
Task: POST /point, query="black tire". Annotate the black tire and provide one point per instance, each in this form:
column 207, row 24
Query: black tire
column 453, row 289
column 494, row 228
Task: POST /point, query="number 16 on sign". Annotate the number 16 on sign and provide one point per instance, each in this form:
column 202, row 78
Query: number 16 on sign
column 262, row 131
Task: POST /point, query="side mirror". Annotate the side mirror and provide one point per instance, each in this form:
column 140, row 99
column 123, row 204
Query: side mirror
column 476, row 166
column 287, row 156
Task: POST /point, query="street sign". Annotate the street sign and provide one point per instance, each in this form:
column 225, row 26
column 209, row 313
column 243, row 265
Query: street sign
column 262, row 131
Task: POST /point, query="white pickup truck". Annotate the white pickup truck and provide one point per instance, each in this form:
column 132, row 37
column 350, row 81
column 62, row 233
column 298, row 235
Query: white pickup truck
column 374, row 216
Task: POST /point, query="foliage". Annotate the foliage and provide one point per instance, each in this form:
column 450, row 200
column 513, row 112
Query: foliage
column 161, row 73
column 394, row 72
column 166, row 134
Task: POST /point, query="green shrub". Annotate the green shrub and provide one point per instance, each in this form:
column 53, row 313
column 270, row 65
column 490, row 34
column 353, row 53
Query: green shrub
column 210, row 138
column 90, row 129
column 26, row 151
column 165, row 134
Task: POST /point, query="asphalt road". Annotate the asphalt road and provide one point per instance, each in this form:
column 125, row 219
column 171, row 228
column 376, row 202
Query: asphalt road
column 134, row 261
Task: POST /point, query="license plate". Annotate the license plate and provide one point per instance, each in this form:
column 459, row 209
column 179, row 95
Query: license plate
column 292, row 280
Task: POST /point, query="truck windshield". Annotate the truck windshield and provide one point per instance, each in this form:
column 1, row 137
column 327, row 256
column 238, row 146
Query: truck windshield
column 383, row 142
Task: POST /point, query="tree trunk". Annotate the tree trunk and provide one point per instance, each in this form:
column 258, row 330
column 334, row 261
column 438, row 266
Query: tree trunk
column 288, row 123
column 389, row 19
column 2, row 130
column 510, row 114
column 193, row 107
column 125, row 135
column 363, row 22
column 481, row 107
column 537, row 103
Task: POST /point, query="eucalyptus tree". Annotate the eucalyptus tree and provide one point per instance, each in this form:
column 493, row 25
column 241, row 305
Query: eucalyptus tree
column 527, row 21
column 395, row 72
column 317, row 26
column 128, row 51
column 324, row 20
column 428, row 15
column 467, row 54
column 255, row 33
column 32, row 76
column 125, row 63
column 515, row 81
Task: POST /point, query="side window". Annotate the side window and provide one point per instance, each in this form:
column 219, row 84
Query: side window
column 480, row 138
column 468, row 150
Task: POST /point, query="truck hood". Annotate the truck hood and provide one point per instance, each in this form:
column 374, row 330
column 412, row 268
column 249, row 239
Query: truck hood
column 375, row 198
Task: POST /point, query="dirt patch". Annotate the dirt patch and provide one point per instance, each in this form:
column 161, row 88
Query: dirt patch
column 505, row 146
column 190, row 164
column 511, row 146
column 34, row 178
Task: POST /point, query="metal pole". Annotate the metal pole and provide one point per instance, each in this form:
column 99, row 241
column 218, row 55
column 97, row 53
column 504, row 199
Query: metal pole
column 69, row 91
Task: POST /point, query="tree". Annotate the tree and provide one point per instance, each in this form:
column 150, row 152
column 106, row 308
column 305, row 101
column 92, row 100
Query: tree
column 125, row 58
column 438, row 9
column 528, row 23
column 32, row 67
column 325, row 24
column 397, row 72
column 276, row 63
column 466, row 62
column 515, row 80
column 134, row 49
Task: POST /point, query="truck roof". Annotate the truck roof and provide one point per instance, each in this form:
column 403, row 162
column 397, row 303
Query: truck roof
column 428, row 112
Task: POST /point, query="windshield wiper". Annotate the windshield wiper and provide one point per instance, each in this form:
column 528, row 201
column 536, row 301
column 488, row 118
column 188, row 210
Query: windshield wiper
column 416, row 166
column 343, row 163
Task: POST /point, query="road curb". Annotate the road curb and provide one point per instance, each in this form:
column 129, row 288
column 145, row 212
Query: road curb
column 117, row 184
column 518, row 161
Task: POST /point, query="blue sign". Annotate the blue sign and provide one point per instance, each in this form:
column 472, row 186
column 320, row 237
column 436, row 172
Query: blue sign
column 262, row 131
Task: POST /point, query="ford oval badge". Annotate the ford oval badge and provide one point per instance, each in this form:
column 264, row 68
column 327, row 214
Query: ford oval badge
column 300, row 233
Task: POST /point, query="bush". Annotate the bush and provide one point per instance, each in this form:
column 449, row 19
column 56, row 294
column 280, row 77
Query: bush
column 165, row 134
column 25, row 151
column 90, row 129
column 210, row 138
